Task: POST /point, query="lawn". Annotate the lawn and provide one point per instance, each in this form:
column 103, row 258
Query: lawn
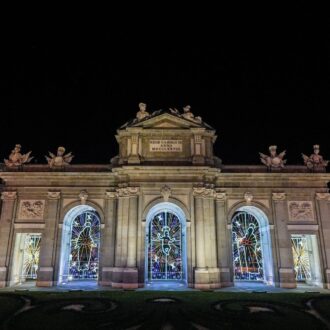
column 163, row 310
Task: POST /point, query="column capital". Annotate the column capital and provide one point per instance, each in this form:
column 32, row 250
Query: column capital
column 323, row 196
column 53, row 195
column 111, row 194
column 128, row 191
column 278, row 196
column 220, row 196
column 9, row 195
column 203, row 192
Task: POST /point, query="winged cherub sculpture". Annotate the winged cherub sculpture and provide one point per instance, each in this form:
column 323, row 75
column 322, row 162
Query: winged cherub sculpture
column 315, row 162
column 16, row 158
column 274, row 160
column 60, row 159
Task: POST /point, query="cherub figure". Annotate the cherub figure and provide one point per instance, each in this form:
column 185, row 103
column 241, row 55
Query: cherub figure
column 143, row 112
column 60, row 159
column 274, row 160
column 16, row 158
column 315, row 162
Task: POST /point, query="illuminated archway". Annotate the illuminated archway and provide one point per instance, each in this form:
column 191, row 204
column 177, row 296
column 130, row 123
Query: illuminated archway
column 251, row 246
column 80, row 245
column 165, row 244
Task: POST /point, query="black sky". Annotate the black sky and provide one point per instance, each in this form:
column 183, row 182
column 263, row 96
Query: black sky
column 255, row 87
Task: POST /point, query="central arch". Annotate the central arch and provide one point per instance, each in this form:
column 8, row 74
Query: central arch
column 165, row 244
column 251, row 245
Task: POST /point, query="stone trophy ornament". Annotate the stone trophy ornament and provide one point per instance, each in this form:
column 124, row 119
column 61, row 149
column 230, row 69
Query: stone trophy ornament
column 60, row 160
column 143, row 112
column 274, row 160
column 315, row 162
column 17, row 159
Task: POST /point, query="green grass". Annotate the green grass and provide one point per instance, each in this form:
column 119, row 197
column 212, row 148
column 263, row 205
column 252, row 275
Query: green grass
column 190, row 310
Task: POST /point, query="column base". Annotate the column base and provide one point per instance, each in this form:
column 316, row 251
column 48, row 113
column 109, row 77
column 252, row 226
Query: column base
column 207, row 278
column 287, row 278
column 120, row 277
column 45, row 277
column 225, row 277
column 327, row 278
column 3, row 276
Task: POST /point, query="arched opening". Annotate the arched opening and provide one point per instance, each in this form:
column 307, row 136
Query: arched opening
column 251, row 246
column 165, row 253
column 80, row 245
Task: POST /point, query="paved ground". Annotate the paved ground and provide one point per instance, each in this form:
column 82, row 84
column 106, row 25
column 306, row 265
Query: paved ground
column 239, row 287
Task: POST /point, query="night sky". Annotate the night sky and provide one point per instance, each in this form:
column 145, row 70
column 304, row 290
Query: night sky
column 252, row 87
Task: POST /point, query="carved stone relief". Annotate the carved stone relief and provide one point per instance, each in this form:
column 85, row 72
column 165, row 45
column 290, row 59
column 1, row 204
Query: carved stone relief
column 31, row 209
column 301, row 211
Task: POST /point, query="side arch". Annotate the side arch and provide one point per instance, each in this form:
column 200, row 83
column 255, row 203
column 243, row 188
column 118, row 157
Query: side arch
column 265, row 236
column 86, row 229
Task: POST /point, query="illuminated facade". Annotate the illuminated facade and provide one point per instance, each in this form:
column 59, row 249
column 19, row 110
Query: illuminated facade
column 165, row 210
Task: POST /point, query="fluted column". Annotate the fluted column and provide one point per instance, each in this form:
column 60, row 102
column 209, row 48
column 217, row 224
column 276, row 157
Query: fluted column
column 47, row 245
column 199, row 221
column 108, row 234
column 223, row 241
column 125, row 273
column 286, row 270
column 6, row 232
column 206, row 273
column 323, row 201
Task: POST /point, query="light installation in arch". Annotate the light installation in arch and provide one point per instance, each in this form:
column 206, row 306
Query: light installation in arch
column 31, row 254
column 301, row 258
column 84, row 244
column 247, row 252
column 165, row 247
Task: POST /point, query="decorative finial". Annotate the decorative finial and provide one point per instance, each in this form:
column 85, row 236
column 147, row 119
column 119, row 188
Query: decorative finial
column 60, row 160
column 273, row 161
column 17, row 159
column 315, row 162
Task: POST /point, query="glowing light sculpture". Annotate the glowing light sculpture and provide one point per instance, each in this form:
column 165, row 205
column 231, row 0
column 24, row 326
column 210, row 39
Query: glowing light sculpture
column 301, row 258
column 85, row 242
column 31, row 256
column 246, row 246
column 165, row 247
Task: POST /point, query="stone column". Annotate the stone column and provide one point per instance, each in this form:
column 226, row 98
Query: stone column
column 107, row 248
column 124, row 274
column 206, row 272
column 130, row 275
column 223, row 241
column 323, row 201
column 48, row 238
column 6, row 232
column 285, row 262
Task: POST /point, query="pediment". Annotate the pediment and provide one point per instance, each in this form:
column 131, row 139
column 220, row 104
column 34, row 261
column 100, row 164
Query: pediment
column 167, row 120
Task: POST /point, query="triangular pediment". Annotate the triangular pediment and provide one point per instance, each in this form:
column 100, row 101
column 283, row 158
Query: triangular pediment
column 167, row 120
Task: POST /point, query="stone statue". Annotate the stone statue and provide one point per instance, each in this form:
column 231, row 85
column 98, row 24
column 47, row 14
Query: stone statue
column 315, row 162
column 273, row 161
column 16, row 158
column 60, row 159
column 189, row 115
column 143, row 112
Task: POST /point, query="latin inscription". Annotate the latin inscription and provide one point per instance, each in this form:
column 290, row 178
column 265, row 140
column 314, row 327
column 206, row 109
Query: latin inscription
column 165, row 145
